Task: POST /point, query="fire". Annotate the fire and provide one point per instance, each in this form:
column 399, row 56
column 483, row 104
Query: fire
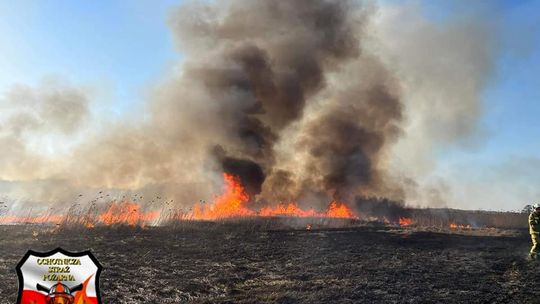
column 47, row 218
column 232, row 203
column 339, row 210
column 81, row 297
column 117, row 213
column 127, row 213
column 335, row 210
column 459, row 226
column 405, row 221
column 290, row 209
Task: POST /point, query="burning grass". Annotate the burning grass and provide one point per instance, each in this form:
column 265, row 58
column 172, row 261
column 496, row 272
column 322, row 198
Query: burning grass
column 129, row 214
column 234, row 202
column 234, row 205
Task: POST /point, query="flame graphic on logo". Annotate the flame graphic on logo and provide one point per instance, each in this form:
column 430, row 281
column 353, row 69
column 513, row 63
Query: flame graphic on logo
column 81, row 297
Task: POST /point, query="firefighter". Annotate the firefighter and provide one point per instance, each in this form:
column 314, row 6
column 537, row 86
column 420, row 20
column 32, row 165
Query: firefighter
column 534, row 229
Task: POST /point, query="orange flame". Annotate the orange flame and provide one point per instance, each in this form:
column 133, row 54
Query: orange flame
column 290, row 209
column 127, row 213
column 232, row 203
column 81, row 297
column 459, row 226
column 47, row 218
column 405, row 221
column 339, row 210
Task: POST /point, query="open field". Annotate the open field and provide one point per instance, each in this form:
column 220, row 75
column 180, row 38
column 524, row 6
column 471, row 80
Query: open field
column 218, row 263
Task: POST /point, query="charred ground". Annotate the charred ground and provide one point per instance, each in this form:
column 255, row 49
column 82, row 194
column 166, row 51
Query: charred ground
column 241, row 263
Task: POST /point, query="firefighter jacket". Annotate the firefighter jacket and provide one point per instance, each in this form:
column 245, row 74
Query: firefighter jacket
column 534, row 223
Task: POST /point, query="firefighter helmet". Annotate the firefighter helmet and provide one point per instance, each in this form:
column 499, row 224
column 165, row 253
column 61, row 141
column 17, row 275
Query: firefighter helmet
column 59, row 294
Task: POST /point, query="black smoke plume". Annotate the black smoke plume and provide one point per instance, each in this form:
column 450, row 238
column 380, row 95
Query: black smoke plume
column 303, row 100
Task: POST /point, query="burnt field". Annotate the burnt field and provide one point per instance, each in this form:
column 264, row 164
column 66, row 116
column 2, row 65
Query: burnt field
column 239, row 263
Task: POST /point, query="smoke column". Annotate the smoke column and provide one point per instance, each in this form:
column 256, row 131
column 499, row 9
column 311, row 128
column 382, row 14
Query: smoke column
column 302, row 100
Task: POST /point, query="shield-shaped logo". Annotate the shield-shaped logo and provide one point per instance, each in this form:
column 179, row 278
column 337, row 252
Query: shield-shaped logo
column 58, row 277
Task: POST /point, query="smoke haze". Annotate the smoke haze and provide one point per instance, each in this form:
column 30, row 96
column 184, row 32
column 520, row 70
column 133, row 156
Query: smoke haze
column 303, row 100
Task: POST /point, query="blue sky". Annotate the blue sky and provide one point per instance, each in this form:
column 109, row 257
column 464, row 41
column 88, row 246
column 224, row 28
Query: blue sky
column 506, row 162
column 511, row 107
column 511, row 97
column 123, row 45
column 126, row 46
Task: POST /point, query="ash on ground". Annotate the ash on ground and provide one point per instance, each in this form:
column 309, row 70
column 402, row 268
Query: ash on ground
column 218, row 263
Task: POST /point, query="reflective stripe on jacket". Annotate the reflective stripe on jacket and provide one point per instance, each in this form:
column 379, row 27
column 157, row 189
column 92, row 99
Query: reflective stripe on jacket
column 534, row 222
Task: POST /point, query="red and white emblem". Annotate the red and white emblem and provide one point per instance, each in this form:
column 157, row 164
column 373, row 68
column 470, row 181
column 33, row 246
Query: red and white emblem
column 58, row 277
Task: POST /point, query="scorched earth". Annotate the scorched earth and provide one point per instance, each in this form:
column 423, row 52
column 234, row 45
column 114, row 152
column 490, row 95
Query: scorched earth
column 247, row 263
